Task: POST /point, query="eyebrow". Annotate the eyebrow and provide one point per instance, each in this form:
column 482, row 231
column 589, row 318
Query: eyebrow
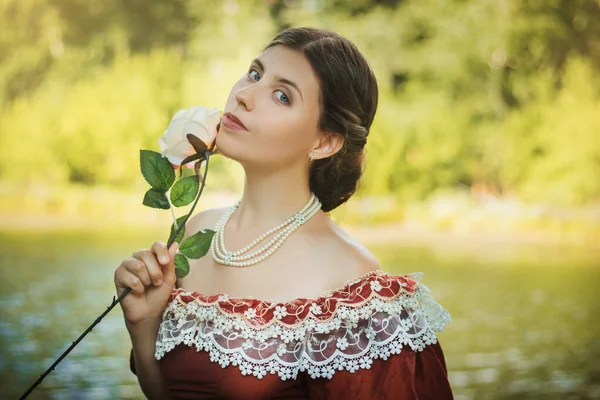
column 279, row 79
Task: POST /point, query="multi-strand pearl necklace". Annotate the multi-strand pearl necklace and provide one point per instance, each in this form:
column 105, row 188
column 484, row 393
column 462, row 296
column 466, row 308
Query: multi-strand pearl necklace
column 239, row 258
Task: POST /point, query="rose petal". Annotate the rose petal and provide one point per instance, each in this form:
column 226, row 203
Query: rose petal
column 214, row 119
column 184, row 113
column 199, row 114
column 162, row 142
column 188, row 165
column 179, row 152
column 175, row 130
column 199, row 130
column 180, row 114
column 198, row 121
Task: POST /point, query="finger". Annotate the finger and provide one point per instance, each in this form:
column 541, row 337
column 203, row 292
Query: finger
column 153, row 268
column 162, row 253
column 169, row 271
column 126, row 279
column 139, row 269
column 138, row 254
column 173, row 250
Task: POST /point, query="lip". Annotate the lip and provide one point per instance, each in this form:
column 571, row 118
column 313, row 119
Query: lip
column 232, row 122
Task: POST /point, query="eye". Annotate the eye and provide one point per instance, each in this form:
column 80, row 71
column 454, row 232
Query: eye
column 254, row 75
column 282, row 97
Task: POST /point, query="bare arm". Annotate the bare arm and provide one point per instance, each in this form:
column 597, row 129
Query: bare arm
column 151, row 276
column 143, row 339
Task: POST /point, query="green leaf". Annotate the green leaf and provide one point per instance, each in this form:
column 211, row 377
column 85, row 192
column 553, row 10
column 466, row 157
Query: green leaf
column 181, row 233
column 157, row 170
column 182, row 266
column 156, row 199
column 197, row 245
column 184, row 191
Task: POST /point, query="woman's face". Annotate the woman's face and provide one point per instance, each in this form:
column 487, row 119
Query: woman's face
column 277, row 101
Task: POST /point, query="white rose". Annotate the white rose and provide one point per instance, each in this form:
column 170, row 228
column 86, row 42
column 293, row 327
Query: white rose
column 200, row 122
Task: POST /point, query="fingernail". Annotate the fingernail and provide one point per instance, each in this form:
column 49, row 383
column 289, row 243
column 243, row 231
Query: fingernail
column 159, row 282
column 164, row 259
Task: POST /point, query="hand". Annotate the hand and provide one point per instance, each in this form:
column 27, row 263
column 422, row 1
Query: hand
column 151, row 276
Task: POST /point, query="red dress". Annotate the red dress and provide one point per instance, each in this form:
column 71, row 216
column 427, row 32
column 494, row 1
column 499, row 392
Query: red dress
column 374, row 338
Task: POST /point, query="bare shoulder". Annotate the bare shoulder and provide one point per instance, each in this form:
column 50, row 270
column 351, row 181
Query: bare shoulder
column 205, row 219
column 348, row 257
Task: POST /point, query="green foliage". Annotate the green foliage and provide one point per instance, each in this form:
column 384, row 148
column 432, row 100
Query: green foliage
column 197, row 245
column 502, row 95
column 181, row 233
column 87, row 132
column 157, row 170
column 477, row 94
column 156, row 199
column 182, row 266
column 552, row 144
column 185, row 191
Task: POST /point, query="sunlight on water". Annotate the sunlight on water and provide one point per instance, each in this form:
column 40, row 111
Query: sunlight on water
column 524, row 318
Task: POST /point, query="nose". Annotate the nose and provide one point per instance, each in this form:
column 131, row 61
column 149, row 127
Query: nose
column 244, row 96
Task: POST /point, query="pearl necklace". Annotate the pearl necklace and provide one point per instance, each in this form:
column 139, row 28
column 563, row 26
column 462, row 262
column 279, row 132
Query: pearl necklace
column 238, row 258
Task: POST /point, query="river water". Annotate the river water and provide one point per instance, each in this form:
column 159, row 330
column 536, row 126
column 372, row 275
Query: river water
column 525, row 319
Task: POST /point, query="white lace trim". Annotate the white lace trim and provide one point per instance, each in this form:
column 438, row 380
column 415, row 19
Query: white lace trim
column 351, row 339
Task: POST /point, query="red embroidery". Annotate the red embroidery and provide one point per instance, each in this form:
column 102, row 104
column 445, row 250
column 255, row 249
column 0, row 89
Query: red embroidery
column 258, row 312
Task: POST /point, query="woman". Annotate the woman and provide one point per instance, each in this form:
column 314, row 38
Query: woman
column 309, row 314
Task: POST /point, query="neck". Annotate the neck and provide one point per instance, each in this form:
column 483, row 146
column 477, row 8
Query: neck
column 269, row 199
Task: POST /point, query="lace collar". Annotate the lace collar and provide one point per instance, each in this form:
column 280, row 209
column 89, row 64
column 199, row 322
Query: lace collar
column 325, row 294
column 369, row 317
column 259, row 312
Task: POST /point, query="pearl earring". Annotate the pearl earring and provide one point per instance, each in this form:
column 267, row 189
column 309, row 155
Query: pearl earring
column 311, row 156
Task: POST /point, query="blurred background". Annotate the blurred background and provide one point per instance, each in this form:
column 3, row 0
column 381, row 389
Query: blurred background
column 483, row 171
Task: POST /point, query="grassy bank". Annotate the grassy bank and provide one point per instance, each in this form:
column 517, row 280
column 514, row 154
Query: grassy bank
column 449, row 217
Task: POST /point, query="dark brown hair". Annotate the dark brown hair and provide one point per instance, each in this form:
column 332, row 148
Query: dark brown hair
column 348, row 103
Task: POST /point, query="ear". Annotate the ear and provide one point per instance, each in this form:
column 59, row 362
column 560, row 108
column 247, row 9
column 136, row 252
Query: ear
column 328, row 144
